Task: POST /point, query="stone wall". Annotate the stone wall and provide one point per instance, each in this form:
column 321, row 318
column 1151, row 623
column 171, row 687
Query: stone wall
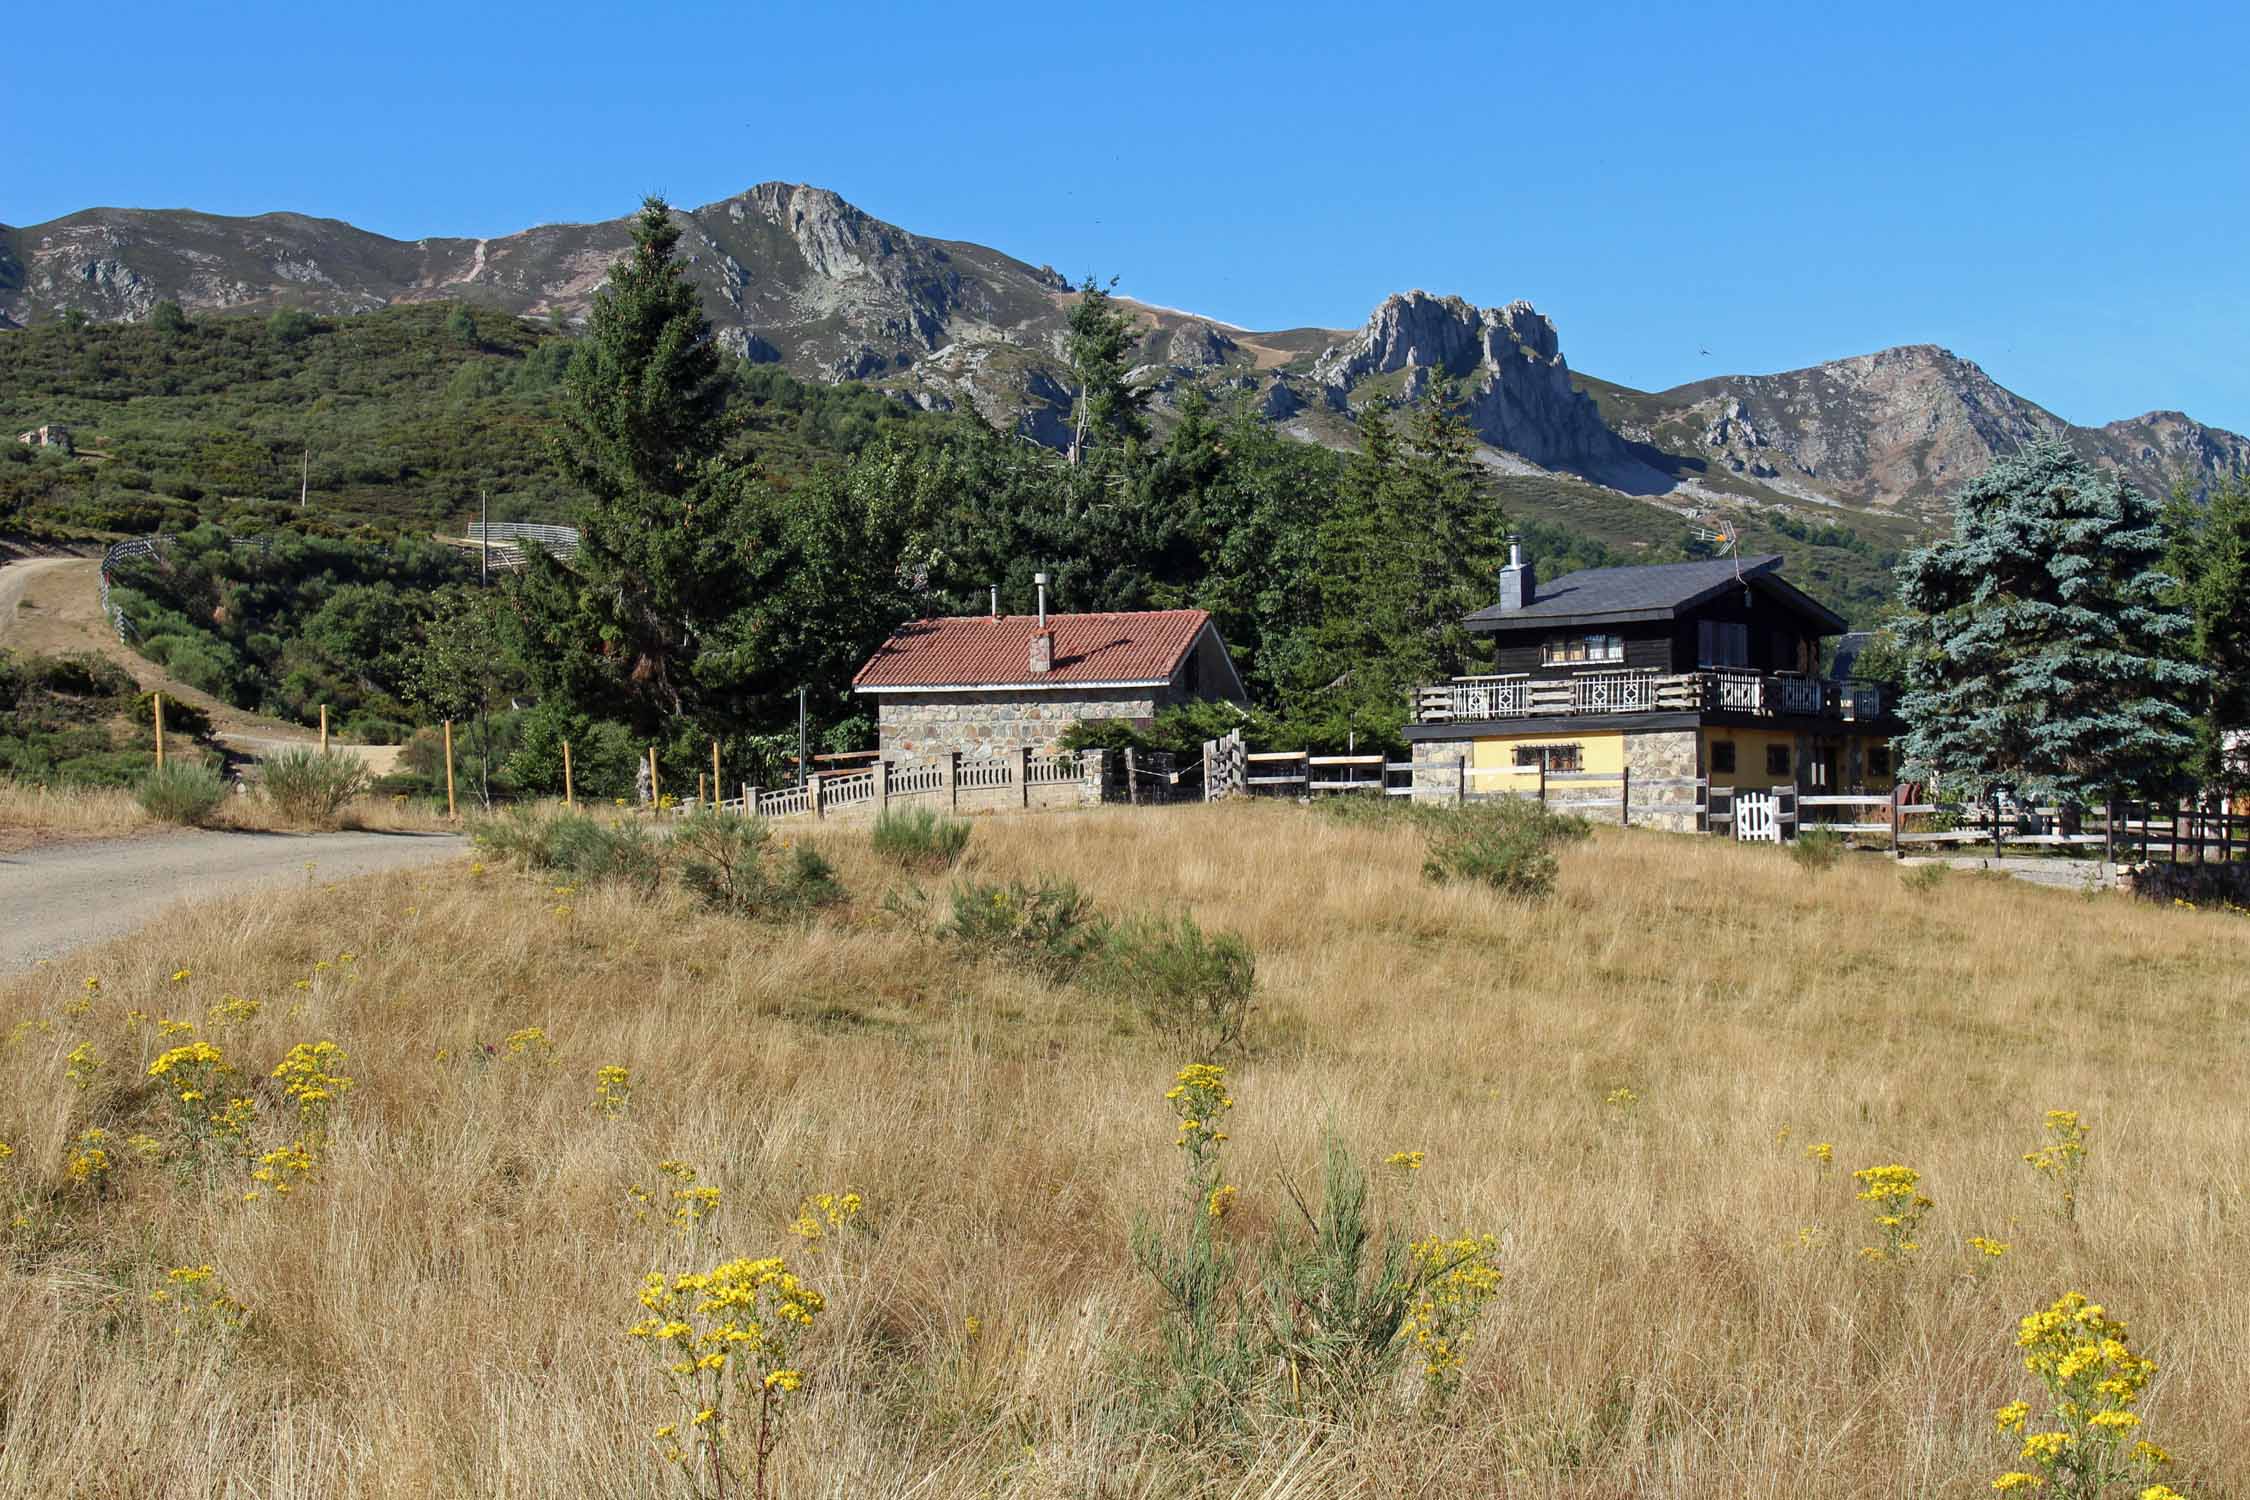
column 1663, row 755
column 1001, row 721
column 1436, row 777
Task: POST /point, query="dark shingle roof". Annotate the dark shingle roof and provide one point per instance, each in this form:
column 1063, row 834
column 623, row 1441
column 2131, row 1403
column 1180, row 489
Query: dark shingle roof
column 1653, row 591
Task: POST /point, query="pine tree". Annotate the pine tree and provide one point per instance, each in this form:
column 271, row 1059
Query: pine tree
column 2043, row 656
column 1099, row 341
column 643, row 622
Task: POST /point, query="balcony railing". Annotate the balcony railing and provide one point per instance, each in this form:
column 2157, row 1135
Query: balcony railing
column 1468, row 700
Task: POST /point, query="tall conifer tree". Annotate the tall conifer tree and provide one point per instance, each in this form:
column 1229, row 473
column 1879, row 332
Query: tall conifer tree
column 2042, row 654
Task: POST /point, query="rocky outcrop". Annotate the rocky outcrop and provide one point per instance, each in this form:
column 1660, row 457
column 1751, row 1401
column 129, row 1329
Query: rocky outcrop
column 1509, row 363
column 1905, row 426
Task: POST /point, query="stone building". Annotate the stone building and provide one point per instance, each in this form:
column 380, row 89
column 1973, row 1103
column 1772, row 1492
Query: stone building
column 1662, row 673
column 985, row 685
column 52, row 435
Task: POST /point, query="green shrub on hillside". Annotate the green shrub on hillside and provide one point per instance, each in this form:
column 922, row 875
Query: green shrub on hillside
column 918, row 839
column 1049, row 928
column 182, row 792
column 728, row 863
column 310, row 789
column 1192, row 986
column 1508, row 844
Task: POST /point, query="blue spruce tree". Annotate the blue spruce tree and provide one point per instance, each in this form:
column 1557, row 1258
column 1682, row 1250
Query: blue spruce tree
column 2043, row 656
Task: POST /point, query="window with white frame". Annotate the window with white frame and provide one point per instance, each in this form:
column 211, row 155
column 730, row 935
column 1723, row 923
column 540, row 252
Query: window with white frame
column 1562, row 650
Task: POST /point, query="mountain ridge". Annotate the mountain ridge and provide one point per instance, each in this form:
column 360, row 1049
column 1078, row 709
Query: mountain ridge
column 795, row 274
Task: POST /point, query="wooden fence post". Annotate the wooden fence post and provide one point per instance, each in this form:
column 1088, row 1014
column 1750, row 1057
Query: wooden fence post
column 1897, row 818
column 1132, row 783
column 655, row 792
column 1208, row 747
column 1023, row 773
column 716, row 782
column 1460, row 779
column 952, row 781
column 699, row 797
column 819, row 809
column 1625, row 797
column 2109, row 835
column 324, row 729
column 567, row 795
column 1542, row 777
column 749, row 800
column 157, row 701
column 882, row 787
column 449, row 809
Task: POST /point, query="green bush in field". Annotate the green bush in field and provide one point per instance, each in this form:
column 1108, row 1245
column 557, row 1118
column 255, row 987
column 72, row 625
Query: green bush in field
column 1193, row 986
column 918, row 839
column 310, row 788
column 1050, row 929
column 1508, row 844
column 182, row 792
column 1816, row 849
column 726, row 863
column 573, row 844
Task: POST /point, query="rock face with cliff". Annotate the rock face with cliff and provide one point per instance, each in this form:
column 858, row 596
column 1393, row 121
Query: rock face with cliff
column 1901, row 429
column 795, row 275
column 1513, row 381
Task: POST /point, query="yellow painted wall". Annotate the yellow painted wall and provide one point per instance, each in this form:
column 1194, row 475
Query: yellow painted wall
column 1598, row 755
column 1749, row 757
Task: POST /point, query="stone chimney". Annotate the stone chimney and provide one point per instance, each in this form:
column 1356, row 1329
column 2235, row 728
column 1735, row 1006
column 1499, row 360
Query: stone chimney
column 1519, row 580
column 1042, row 652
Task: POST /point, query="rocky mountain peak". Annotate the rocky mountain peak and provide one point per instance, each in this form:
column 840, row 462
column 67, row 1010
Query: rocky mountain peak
column 1514, row 381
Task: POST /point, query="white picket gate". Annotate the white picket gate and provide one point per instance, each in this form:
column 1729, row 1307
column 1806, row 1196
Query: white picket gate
column 1757, row 817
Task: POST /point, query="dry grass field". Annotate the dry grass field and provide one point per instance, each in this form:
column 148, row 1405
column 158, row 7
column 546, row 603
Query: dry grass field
column 440, row 1308
column 31, row 815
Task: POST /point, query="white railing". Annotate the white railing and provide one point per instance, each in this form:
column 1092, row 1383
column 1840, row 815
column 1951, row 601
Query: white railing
column 1505, row 699
column 1052, row 770
column 842, row 791
column 1740, row 692
column 562, row 541
column 1612, row 692
column 911, row 777
column 977, row 775
column 784, row 804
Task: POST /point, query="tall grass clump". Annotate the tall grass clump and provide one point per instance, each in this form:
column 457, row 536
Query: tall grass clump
column 729, row 864
column 1508, row 844
column 574, row 844
column 1048, row 927
column 1192, row 986
column 183, row 792
column 918, row 839
column 1816, row 849
column 311, row 789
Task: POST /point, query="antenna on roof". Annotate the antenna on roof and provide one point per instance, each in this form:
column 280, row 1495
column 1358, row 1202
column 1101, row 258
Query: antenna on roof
column 1721, row 533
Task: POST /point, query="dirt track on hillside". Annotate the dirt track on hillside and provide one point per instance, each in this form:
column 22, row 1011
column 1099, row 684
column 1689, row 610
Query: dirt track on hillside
column 60, row 898
column 52, row 605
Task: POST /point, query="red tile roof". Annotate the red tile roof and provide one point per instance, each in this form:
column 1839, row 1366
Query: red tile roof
column 986, row 650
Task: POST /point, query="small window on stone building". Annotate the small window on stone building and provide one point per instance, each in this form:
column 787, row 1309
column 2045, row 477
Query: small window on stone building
column 1722, row 757
column 1777, row 760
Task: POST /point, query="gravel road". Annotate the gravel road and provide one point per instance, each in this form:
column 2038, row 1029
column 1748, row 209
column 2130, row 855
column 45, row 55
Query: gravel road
column 64, row 896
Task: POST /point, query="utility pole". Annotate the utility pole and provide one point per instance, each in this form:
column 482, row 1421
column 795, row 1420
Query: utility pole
column 804, row 767
column 484, row 696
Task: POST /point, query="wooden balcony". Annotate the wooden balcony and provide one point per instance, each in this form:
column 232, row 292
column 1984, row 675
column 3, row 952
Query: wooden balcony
column 1472, row 700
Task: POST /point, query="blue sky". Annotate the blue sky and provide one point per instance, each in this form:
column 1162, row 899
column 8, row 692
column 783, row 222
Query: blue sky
column 2059, row 192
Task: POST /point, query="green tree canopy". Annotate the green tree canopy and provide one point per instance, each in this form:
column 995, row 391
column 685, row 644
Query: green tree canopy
column 2211, row 555
column 2042, row 652
column 1099, row 341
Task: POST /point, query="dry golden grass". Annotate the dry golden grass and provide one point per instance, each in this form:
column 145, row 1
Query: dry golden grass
column 31, row 815
column 442, row 1313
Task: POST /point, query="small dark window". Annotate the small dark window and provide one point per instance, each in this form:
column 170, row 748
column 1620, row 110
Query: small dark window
column 1722, row 757
column 1777, row 760
column 1879, row 761
column 1554, row 757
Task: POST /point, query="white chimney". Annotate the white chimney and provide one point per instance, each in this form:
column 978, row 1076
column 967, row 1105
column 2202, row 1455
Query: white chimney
column 996, row 601
column 1041, row 580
